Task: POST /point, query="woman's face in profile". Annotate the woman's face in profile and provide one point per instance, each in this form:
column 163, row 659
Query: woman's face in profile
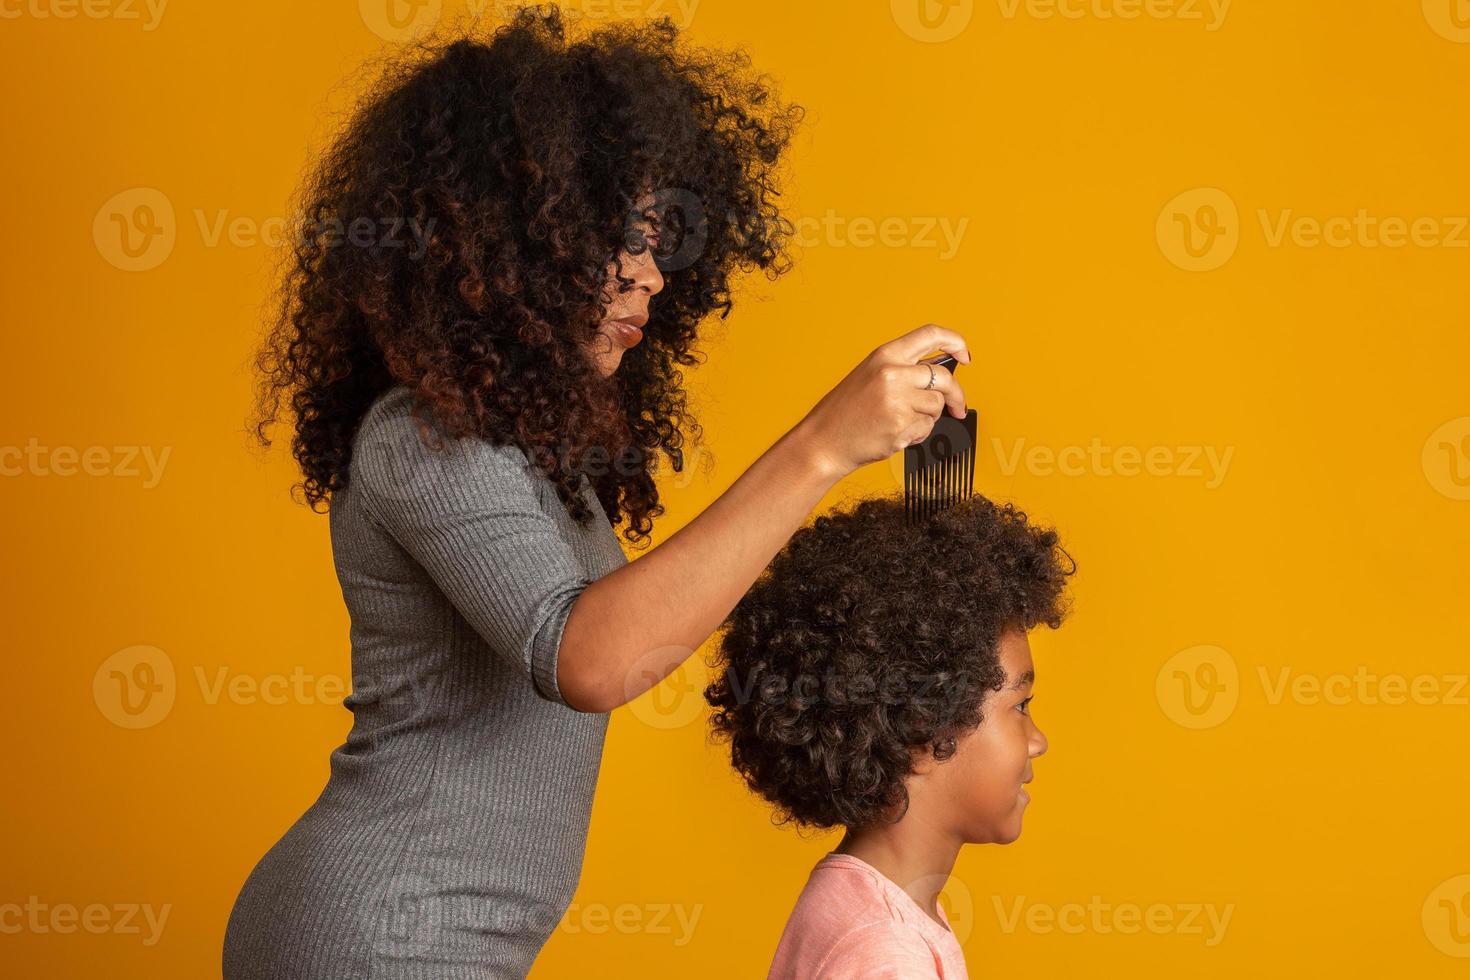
column 625, row 307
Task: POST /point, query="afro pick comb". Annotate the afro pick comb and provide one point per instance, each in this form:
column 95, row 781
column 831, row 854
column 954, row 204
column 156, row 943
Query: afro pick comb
column 940, row 471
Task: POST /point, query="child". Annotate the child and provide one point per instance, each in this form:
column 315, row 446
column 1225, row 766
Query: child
column 878, row 678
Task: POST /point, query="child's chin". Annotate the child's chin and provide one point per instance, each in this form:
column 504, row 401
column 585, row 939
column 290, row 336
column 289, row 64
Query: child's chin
column 1005, row 834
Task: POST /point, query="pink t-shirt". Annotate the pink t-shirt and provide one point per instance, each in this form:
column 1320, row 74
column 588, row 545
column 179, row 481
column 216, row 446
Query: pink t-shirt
column 851, row 922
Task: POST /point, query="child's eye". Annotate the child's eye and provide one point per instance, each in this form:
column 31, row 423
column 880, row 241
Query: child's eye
column 1023, row 706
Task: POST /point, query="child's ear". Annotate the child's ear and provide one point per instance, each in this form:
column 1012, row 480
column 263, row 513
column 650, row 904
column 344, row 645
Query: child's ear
column 922, row 757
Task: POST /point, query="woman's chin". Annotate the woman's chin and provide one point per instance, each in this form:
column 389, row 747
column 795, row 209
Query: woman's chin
column 607, row 361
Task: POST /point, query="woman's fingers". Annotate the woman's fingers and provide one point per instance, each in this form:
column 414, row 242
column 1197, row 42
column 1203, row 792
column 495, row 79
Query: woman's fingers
column 917, row 431
column 887, row 402
column 945, row 384
column 930, row 404
column 921, row 340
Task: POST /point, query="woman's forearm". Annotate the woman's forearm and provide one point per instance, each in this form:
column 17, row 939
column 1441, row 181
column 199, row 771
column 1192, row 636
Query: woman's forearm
column 632, row 627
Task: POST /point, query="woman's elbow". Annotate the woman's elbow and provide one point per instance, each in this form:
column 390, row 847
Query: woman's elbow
column 584, row 686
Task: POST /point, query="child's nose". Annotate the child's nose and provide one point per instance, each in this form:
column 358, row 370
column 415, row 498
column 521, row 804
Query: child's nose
column 1038, row 741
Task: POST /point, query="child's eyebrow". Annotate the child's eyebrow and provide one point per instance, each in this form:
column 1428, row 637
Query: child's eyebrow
column 1027, row 678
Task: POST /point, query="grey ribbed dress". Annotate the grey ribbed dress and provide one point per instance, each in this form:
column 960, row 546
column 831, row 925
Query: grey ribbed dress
column 449, row 838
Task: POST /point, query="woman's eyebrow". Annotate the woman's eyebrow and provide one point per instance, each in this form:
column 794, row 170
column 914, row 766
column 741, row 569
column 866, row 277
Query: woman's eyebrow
column 1027, row 678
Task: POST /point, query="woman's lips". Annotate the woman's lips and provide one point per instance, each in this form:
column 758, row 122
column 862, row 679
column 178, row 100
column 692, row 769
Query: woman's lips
column 629, row 330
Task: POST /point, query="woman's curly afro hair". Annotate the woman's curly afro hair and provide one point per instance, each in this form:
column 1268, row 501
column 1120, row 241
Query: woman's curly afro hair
column 457, row 236
column 866, row 642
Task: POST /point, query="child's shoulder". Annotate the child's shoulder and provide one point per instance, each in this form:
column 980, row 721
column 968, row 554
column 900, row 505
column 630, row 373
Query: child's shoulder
column 847, row 922
column 841, row 879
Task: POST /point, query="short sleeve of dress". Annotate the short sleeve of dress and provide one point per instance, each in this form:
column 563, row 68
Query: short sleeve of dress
column 469, row 514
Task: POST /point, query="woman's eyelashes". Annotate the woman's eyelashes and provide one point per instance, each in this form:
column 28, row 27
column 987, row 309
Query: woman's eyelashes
column 1024, row 705
column 642, row 235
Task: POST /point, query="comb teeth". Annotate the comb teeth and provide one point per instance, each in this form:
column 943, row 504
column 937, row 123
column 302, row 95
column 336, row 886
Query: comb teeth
column 939, row 471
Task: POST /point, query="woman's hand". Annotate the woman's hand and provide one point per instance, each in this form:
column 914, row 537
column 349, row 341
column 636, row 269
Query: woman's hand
column 881, row 406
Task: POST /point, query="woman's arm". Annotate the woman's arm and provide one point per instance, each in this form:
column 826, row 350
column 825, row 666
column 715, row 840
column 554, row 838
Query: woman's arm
column 632, row 627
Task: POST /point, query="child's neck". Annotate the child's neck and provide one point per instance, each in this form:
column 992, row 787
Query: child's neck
column 916, row 856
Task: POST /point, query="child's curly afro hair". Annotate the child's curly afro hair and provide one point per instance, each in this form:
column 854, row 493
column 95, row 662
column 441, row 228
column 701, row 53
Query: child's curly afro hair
column 867, row 641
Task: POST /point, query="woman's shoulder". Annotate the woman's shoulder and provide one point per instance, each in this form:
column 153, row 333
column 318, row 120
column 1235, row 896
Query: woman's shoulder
column 391, row 416
column 394, row 402
column 398, row 454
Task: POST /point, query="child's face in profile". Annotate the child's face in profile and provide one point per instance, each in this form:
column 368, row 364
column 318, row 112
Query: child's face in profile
column 978, row 792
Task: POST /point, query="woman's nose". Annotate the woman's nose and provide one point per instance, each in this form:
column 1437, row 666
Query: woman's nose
column 646, row 274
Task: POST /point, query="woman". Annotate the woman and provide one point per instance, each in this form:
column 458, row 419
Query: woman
column 479, row 413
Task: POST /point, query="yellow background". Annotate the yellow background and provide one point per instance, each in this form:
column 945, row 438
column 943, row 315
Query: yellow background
column 1334, row 544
